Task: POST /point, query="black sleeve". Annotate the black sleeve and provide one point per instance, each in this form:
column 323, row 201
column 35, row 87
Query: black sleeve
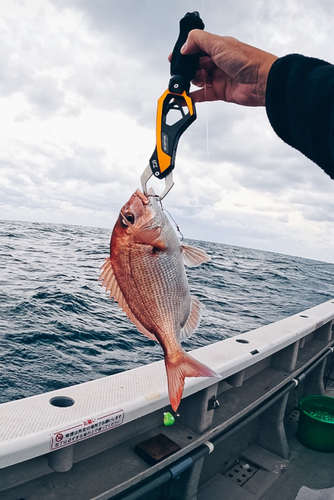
column 300, row 106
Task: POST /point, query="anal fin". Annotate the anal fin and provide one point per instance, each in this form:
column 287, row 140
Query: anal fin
column 193, row 320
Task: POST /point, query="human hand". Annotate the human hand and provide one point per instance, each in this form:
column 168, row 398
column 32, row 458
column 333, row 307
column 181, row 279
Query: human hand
column 229, row 70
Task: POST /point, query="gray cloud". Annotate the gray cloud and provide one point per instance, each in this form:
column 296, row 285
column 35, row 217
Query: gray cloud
column 79, row 84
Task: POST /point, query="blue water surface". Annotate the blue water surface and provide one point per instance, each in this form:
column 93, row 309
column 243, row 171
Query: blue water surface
column 58, row 327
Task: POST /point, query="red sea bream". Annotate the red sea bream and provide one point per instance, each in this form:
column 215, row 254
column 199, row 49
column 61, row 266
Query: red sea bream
column 145, row 274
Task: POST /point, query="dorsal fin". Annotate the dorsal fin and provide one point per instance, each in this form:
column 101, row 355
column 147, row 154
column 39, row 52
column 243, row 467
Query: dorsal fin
column 193, row 320
column 109, row 281
column 193, row 257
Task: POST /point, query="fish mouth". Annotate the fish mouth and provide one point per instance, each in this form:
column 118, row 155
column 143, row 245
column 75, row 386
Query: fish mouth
column 150, row 201
column 144, row 199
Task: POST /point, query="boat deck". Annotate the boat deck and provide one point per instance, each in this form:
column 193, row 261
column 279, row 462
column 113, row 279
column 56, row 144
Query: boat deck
column 305, row 467
column 309, row 468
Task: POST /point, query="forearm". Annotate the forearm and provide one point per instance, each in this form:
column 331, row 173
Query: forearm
column 300, row 106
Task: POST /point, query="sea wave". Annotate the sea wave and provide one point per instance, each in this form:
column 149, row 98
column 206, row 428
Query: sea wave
column 58, row 327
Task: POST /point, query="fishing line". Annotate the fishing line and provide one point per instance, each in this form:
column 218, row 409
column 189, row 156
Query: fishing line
column 176, row 224
column 206, row 84
column 164, row 209
column 206, row 132
column 207, row 149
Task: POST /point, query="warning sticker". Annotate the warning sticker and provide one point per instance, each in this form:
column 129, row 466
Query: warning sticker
column 88, row 428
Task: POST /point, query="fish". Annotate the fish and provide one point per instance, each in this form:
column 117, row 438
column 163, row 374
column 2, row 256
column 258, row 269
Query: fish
column 145, row 274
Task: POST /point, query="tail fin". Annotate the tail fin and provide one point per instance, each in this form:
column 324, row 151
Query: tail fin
column 177, row 371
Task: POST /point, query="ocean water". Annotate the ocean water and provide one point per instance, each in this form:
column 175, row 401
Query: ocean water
column 58, row 327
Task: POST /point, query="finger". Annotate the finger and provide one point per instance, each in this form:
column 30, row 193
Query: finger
column 206, row 63
column 204, row 42
column 204, row 94
column 201, row 78
column 193, row 43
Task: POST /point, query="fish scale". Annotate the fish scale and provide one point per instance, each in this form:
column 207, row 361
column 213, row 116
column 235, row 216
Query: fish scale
column 155, row 296
column 167, row 292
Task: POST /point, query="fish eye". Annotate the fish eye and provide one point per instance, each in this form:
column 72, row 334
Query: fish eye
column 129, row 217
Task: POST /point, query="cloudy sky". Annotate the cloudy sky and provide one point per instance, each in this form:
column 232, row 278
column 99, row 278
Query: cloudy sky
column 79, row 82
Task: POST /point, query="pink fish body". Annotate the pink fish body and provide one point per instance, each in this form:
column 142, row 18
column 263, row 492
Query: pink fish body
column 145, row 274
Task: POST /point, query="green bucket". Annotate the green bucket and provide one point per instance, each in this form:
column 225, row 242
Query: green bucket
column 316, row 423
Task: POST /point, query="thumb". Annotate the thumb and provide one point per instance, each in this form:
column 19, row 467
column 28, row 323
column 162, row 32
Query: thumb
column 193, row 43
